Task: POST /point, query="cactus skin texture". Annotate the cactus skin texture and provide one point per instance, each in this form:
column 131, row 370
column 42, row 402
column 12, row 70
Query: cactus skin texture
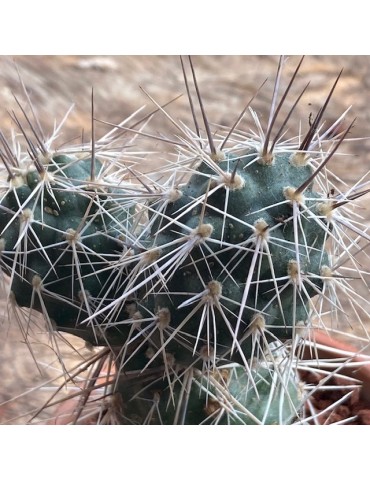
column 248, row 246
column 55, row 236
column 226, row 397
column 189, row 284
column 70, row 240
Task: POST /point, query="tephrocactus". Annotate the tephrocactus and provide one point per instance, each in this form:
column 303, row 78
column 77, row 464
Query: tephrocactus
column 200, row 278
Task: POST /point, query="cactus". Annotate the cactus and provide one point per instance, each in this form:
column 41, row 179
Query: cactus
column 55, row 232
column 225, row 396
column 192, row 284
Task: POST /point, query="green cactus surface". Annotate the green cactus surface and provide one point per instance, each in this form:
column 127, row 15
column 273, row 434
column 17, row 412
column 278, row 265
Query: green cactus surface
column 229, row 396
column 55, row 238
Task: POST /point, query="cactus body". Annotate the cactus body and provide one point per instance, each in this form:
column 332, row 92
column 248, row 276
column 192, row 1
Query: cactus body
column 55, row 239
column 228, row 396
column 232, row 265
column 251, row 250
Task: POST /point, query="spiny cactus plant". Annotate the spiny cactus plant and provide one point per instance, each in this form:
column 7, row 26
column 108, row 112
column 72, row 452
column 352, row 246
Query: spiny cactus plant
column 200, row 286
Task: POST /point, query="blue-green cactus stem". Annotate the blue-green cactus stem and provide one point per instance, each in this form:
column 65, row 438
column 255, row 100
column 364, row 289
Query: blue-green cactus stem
column 227, row 396
column 259, row 224
column 57, row 242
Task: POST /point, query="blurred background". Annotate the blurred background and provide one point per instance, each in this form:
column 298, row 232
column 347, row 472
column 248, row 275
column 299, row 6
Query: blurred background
column 226, row 84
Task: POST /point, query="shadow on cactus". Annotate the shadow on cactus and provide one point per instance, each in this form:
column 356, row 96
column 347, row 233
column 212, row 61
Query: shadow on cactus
column 200, row 288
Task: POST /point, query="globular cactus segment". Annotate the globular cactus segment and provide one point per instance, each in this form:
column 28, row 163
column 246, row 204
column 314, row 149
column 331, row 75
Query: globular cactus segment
column 55, row 232
column 226, row 396
column 246, row 243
